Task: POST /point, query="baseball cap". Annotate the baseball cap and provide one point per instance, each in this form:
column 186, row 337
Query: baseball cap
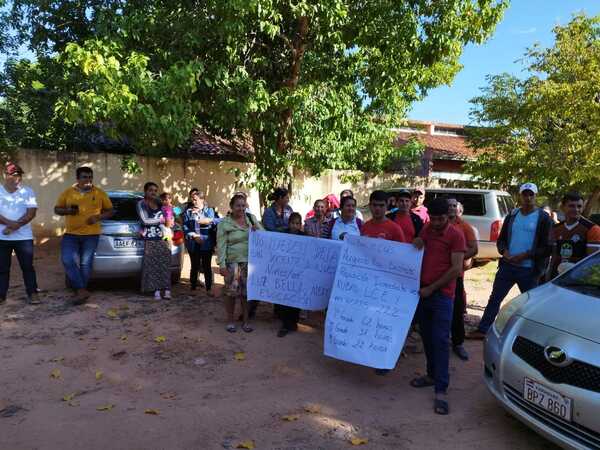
column 528, row 187
column 12, row 169
column 402, row 193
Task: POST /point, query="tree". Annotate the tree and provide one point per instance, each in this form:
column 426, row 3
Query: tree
column 313, row 85
column 545, row 128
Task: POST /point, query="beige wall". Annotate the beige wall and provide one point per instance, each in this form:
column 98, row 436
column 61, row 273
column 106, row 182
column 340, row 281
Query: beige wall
column 49, row 173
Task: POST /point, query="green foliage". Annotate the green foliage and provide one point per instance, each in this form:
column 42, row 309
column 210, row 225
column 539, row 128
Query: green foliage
column 313, row 85
column 545, row 128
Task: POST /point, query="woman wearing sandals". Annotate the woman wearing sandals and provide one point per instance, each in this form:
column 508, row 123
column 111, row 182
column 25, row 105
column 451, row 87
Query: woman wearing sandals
column 232, row 248
column 156, row 273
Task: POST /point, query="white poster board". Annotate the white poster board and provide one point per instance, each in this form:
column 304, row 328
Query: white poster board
column 373, row 301
column 291, row 270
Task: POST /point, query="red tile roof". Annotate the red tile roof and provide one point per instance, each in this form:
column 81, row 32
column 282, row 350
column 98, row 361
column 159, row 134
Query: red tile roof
column 204, row 145
column 442, row 146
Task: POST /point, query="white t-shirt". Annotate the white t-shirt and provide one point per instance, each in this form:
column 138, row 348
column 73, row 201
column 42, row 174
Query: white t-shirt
column 339, row 228
column 13, row 207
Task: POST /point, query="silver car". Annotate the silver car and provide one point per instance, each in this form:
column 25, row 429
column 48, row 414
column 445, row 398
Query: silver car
column 542, row 357
column 120, row 248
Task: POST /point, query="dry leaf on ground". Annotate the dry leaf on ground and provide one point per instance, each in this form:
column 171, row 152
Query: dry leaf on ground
column 246, row 444
column 239, row 356
column 58, row 359
column 168, row 395
column 124, row 337
column 151, row 411
column 99, row 374
column 112, row 313
column 105, row 407
column 290, row 417
column 56, row 374
column 358, row 441
column 73, row 403
column 160, row 339
column 313, row 409
column 69, row 397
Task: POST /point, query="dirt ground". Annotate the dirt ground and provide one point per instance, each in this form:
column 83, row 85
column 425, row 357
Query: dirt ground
column 90, row 377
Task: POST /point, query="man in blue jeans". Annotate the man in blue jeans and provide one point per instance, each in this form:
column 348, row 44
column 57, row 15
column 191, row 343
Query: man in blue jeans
column 18, row 207
column 524, row 244
column 84, row 207
column 445, row 248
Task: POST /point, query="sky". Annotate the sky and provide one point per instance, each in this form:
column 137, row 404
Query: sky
column 525, row 22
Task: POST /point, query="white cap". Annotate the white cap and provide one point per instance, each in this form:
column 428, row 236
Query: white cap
column 528, row 187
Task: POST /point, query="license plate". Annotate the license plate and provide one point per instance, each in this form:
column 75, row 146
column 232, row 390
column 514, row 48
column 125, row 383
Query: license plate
column 128, row 243
column 547, row 399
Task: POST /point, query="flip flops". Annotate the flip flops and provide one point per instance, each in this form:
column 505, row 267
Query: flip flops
column 231, row 328
column 422, row 382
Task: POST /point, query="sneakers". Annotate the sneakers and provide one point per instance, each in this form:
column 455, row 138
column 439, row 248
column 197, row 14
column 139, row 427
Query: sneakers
column 167, row 294
column 157, row 295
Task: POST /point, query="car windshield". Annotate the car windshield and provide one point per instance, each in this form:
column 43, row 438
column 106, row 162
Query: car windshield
column 124, row 208
column 585, row 277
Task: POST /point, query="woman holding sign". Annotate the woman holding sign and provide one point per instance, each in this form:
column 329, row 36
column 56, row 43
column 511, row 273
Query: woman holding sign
column 232, row 247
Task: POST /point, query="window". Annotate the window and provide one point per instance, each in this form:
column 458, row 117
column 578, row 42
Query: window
column 505, row 204
column 584, row 278
column 125, row 208
column 473, row 204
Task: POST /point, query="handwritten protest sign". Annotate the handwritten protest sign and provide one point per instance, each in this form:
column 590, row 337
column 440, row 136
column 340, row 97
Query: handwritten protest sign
column 291, row 270
column 373, row 301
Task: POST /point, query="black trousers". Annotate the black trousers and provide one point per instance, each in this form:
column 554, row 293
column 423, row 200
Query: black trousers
column 24, row 251
column 289, row 316
column 201, row 259
column 458, row 314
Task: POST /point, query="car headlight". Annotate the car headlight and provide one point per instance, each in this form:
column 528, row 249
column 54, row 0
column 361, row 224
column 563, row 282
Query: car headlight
column 508, row 310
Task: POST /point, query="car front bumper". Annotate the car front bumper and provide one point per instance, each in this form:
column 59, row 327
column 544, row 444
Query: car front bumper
column 504, row 373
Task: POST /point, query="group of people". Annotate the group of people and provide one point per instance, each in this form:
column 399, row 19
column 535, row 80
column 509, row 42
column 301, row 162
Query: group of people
column 533, row 249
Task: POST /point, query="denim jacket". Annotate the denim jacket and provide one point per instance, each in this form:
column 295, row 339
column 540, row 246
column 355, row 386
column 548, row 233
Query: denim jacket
column 192, row 229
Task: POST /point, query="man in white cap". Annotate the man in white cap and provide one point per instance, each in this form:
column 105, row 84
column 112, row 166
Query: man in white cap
column 524, row 244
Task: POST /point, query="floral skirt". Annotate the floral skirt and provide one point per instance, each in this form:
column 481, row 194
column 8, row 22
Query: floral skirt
column 156, row 273
column 236, row 279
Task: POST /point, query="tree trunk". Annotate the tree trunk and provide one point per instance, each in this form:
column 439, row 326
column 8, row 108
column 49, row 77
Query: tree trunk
column 298, row 47
column 591, row 200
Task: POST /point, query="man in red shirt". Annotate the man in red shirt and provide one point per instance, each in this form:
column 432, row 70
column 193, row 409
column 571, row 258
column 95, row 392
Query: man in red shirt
column 460, row 306
column 380, row 226
column 410, row 222
column 442, row 264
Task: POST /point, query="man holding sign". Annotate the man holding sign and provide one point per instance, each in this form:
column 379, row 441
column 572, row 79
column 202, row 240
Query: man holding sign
column 442, row 264
column 383, row 228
